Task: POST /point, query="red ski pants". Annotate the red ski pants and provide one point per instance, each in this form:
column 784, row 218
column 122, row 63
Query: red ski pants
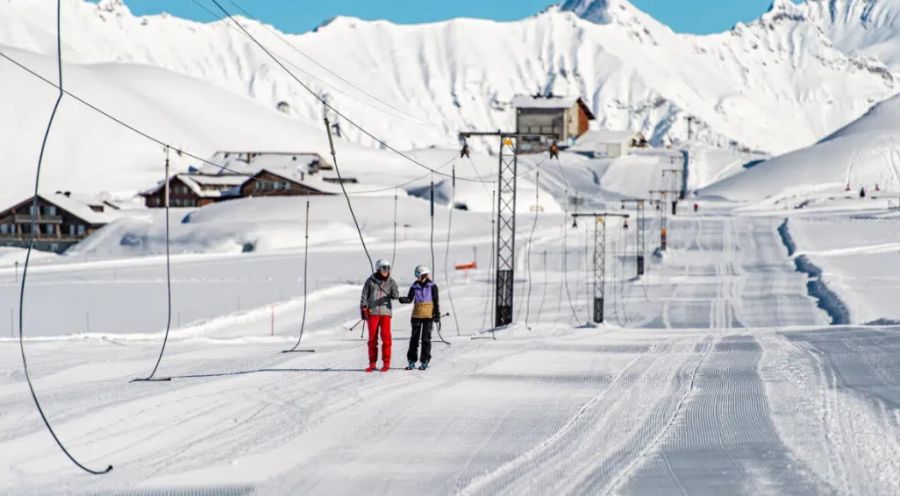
column 384, row 323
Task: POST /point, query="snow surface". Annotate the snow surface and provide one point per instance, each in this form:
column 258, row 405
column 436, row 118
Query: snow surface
column 714, row 376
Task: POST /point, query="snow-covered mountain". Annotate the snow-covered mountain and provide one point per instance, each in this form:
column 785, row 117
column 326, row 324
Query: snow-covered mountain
column 777, row 84
column 864, row 154
column 869, row 28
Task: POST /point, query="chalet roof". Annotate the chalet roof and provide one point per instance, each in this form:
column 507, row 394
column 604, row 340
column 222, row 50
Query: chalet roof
column 79, row 206
column 544, row 102
column 251, row 162
column 206, row 186
column 316, row 183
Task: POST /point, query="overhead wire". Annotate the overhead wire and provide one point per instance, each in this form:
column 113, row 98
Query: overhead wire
column 325, row 103
column 293, row 47
column 33, row 234
column 180, row 150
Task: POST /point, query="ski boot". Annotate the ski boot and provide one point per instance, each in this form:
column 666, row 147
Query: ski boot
column 386, row 367
column 371, row 368
column 411, row 366
column 423, row 366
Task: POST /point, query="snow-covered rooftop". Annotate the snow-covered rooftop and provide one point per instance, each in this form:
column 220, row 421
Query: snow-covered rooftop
column 251, row 162
column 544, row 102
column 87, row 208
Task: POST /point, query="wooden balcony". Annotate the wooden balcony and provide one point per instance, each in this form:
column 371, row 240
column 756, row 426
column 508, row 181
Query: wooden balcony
column 42, row 219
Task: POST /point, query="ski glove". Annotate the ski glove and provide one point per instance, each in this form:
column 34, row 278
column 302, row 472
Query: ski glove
column 436, row 319
column 364, row 313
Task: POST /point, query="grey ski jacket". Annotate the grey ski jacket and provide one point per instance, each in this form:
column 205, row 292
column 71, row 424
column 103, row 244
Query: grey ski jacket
column 377, row 294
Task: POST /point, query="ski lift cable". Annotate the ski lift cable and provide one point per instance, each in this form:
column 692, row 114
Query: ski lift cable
column 411, row 117
column 565, row 256
column 180, row 150
column 34, row 212
column 394, row 249
column 162, row 350
column 310, row 75
column 324, row 102
column 487, row 298
column 337, row 171
column 537, row 208
column 544, row 289
column 447, row 252
column 305, row 280
column 431, row 246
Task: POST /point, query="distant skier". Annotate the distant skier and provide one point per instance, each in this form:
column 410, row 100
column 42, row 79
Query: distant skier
column 423, row 294
column 465, row 151
column 862, row 192
column 375, row 308
column 554, row 151
column 696, row 208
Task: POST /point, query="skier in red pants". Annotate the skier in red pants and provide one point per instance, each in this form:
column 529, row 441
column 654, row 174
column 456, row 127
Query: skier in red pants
column 375, row 309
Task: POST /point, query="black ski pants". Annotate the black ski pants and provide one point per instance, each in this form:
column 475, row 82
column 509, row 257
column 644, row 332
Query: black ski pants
column 421, row 330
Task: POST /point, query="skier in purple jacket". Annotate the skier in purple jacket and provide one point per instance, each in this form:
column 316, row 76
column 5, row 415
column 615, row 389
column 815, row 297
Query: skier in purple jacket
column 423, row 294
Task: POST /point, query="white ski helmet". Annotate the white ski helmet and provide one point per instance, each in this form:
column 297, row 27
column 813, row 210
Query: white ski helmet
column 382, row 264
column 422, row 270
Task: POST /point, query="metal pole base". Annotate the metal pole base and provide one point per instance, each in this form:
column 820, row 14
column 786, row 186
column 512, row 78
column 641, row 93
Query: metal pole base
column 299, row 351
column 640, row 265
column 598, row 310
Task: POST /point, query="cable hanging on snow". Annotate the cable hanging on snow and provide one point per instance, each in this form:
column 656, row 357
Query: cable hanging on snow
column 447, row 275
column 565, row 244
column 537, row 208
column 431, row 246
column 152, row 377
column 490, row 289
column 305, row 285
column 337, row 171
column 33, row 233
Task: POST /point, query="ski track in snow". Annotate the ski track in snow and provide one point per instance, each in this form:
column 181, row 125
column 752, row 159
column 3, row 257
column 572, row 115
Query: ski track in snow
column 730, row 387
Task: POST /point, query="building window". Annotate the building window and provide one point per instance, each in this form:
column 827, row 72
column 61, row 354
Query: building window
column 71, row 230
column 4, row 228
column 81, row 230
column 51, row 211
column 49, row 229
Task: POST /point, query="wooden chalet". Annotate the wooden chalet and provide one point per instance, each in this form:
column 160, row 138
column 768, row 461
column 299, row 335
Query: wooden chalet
column 195, row 190
column 62, row 220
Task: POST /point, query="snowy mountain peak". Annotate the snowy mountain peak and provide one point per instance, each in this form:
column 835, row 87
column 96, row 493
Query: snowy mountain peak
column 783, row 6
column 598, row 11
column 113, row 7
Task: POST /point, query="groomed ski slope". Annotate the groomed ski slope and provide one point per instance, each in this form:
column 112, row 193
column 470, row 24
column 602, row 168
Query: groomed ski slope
column 718, row 377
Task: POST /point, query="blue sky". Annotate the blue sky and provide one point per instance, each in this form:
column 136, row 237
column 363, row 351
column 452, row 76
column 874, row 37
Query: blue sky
column 296, row 16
